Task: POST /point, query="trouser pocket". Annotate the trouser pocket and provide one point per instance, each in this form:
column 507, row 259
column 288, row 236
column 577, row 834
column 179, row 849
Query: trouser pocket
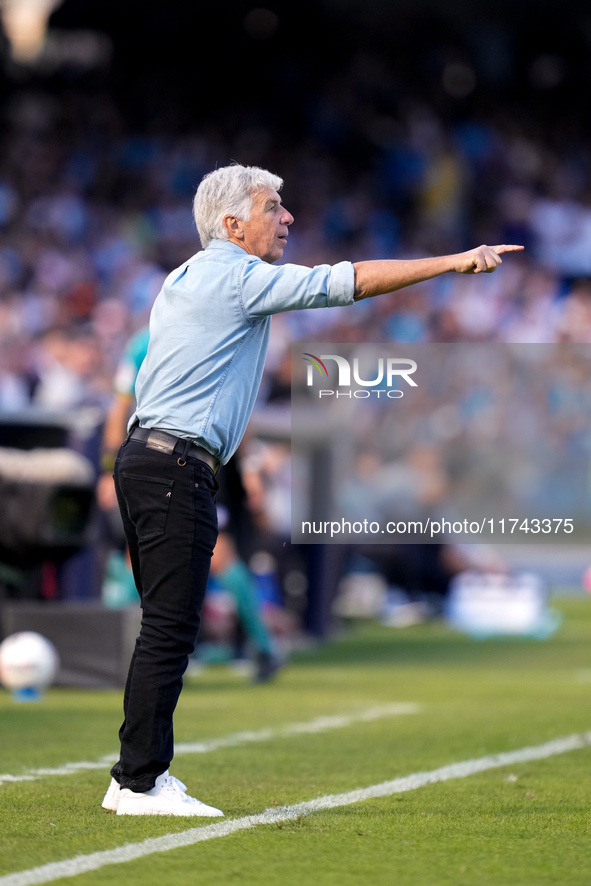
column 148, row 501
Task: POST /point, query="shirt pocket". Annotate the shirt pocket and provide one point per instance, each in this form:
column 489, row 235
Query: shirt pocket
column 148, row 502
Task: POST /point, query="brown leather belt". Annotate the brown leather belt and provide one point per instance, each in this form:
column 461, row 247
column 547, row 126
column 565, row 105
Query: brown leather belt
column 163, row 441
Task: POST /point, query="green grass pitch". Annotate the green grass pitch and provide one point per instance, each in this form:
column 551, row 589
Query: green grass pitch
column 527, row 823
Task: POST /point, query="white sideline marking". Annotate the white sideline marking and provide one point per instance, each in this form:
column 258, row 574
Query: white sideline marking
column 319, row 724
column 83, row 863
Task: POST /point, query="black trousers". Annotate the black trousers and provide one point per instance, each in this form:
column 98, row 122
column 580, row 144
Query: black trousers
column 168, row 509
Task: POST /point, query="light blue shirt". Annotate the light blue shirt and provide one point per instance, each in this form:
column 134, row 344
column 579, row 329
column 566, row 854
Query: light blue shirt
column 209, row 334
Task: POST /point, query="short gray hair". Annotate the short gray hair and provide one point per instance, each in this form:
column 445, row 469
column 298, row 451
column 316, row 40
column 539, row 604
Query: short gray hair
column 228, row 191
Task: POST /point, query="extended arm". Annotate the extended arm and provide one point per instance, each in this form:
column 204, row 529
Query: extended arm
column 378, row 277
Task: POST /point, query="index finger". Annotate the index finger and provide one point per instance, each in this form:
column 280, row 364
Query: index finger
column 506, row 248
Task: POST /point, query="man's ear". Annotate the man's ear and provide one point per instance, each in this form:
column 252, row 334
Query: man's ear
column 234, row 226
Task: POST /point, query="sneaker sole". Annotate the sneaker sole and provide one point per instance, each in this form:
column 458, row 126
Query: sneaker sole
column 169, row 813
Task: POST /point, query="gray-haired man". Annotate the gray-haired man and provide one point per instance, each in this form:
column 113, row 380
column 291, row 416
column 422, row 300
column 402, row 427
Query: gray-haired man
column 195, row 392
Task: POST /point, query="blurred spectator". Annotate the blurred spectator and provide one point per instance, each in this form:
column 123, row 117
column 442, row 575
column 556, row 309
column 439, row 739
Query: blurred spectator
column 68, row 365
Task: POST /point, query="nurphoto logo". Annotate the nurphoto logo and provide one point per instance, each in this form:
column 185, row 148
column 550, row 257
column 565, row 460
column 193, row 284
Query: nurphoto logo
column 389, row 370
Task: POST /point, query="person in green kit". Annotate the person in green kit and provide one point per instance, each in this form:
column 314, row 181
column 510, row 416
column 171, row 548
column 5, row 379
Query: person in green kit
column 227, row 567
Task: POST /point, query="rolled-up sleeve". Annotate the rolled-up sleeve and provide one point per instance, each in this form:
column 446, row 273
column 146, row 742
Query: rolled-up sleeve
column 272, row 289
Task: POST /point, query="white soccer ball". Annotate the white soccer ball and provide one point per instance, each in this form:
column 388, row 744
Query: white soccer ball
column 27, row 661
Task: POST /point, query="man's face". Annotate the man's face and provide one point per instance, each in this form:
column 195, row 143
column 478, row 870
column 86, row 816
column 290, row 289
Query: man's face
column 265, row 234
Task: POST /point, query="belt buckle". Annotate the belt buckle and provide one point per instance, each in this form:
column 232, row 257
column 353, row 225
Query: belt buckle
column 161, row 442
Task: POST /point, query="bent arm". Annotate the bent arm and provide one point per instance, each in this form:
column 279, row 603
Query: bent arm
column 378, row 277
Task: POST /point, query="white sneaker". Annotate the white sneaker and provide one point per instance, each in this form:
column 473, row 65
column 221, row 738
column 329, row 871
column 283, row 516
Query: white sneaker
column 167, row 797
column 111, row 798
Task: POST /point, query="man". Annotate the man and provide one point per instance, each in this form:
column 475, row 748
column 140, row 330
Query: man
column 209, row 331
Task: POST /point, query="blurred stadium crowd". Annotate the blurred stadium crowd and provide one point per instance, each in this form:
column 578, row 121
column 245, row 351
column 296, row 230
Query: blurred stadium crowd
column 93, row 215
column 388, row 155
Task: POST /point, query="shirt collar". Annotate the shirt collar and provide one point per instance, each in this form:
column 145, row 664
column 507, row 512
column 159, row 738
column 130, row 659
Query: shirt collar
column 226, row 245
